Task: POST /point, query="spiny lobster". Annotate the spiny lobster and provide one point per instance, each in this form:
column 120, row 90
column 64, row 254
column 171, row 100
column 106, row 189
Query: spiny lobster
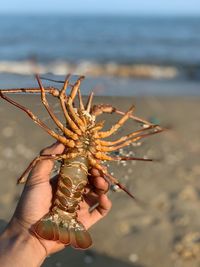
column 84, row 148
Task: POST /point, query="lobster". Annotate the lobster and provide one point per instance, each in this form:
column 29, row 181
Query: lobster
column 85, row 148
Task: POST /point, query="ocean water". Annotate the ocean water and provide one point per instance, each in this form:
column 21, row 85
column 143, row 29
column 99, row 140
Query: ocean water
column 101, row 43
column 101, row 39
column 142, row 55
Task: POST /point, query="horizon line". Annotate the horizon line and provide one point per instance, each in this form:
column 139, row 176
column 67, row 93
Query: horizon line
column 136, row 14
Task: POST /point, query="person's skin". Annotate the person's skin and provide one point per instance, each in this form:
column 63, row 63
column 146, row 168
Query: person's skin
column 19, row 247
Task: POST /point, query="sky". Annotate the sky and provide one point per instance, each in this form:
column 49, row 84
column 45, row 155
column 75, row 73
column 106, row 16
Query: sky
column 138, row 7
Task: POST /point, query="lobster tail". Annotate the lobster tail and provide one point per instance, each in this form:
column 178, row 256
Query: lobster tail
column 69, row 233
column 61, row 223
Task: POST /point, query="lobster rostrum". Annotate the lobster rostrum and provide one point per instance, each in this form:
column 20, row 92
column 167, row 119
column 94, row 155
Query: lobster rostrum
column 85, row 148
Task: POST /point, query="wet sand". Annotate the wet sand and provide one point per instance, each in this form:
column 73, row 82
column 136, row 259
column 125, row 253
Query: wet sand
column 166, row 229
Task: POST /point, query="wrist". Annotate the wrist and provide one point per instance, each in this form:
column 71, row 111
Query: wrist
column 18, row 247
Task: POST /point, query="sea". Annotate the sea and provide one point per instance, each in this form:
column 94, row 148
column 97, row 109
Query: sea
column 123, row 47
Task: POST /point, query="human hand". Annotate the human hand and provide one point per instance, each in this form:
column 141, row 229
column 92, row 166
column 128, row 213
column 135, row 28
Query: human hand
column 36, row 199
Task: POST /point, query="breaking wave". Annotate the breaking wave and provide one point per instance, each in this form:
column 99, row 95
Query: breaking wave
column 140, row 71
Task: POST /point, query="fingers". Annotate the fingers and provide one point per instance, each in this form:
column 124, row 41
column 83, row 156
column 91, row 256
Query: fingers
column 100, row 186
column 98, row 202
column 42, row 170
column 95, row 172
column 101, row 209
column 104, row 205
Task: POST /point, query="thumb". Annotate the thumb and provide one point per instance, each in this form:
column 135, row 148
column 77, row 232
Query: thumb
column 42, row 169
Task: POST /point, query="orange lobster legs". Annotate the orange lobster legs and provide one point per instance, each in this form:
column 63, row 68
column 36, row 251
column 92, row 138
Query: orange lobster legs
column 115, row 127
column 81, row 134
column 69, row 103
column 106, row 108
column 22, row 178
column 70, row 136
column 51, row 90
column 125, row 143
column 63, row 98
column 102, row 147
column 60, row 138
column 66, row 131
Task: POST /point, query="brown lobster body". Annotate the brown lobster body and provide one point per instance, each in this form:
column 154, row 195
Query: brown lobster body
column 61, row 223
column 84, row 149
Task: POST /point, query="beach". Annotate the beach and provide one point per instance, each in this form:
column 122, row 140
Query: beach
column 165, row 229
column 152, row 62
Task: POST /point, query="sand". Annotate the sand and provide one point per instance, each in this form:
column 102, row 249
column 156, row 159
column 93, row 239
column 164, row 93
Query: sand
column 166, row 230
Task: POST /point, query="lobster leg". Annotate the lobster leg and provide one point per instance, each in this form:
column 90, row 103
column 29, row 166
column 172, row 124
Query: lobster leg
column 69, row 103
column 98, row 126
column 75, row 89
column 52, row 115
column 94, row 163
column 76, row 118
column 112, row 179
column 60, row 138
column 126, row 143
column 116, row 126
column 62, row 98
column 22, row 178
column 81, row 105
column 124, row 138
column 89, row 102
column 44, row 157
column 99, row 109
column 103, row 156
column 51, row 90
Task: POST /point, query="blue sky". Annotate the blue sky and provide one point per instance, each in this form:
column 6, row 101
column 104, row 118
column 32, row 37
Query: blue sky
column 159, row 7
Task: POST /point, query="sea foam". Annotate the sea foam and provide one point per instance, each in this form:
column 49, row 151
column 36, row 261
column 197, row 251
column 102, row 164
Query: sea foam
column 89, row 68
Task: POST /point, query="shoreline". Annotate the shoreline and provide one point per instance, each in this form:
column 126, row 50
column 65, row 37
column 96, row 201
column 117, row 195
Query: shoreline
column 111, row 69
column 109, row 86
column 90, row 68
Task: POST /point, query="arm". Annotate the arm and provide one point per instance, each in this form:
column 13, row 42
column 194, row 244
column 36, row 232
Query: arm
column 19, row 247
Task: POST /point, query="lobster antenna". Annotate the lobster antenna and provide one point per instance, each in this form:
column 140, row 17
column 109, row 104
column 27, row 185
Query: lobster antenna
column 51, row 80
column 126, row 190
